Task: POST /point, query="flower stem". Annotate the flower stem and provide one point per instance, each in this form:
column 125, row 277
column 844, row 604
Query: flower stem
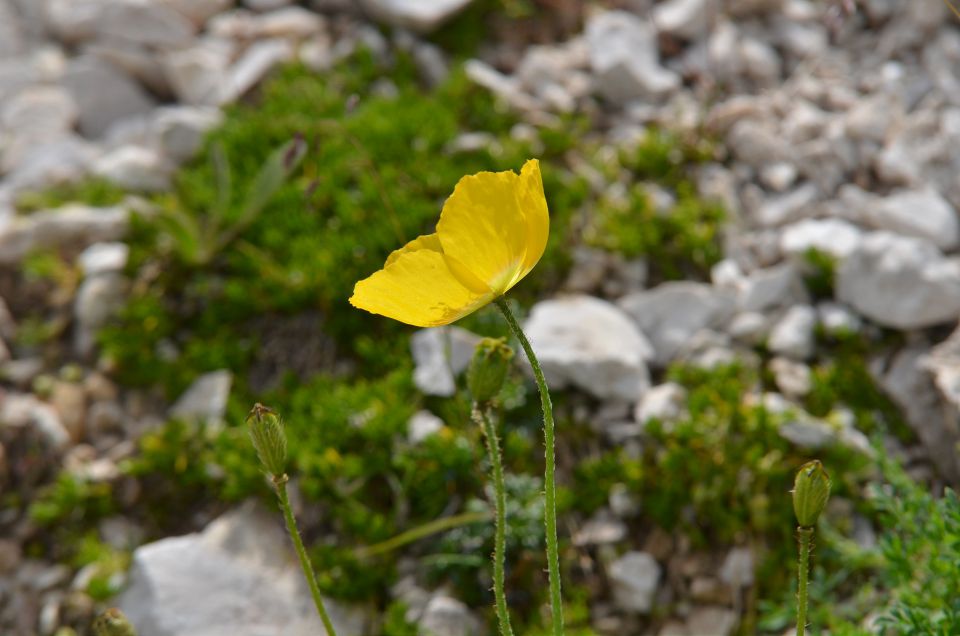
column 481, row 416
column 805, row 537
column 280, row 484
column 549, row 478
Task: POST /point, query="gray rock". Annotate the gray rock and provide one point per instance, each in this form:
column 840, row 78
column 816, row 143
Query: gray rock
column 625, row 58
column 737, row 568
column 716, row 621
column 591, row 344
column 197, row 73
column 900, row 282
column 266, row 5
column 199, row 11
column 440, row 354
column 103, row 94
column 831, row 236
column 666, row 402
column 786, row 207
column 135, row 168
column 446, row 616
column 836, row 318
column 12, row 36
column 684, row 18
column 793, row 335
column 40, row 164
column 255, row 63
column 503, row 86
column 422, row 425
column 750, row 327
column 236, row 578
column 601, row 529
column 794, row 379
column 98, row 299
column 24, row 411
column 101, row 258
column 61, row 227
column 921, row 213
column 39, row 112
column 673, row 312
column 634, row 578
column 912, row 379
column 205, row 399
column 139, row 62
column 153, row 24
column 741, row 8
column 421, row 17
column 773, row 287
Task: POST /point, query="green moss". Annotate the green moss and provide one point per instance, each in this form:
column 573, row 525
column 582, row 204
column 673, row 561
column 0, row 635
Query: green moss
column 682, row 242
column 93, row 191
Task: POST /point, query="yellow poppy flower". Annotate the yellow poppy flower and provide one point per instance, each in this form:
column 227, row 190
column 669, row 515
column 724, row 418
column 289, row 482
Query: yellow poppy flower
column 492, row 231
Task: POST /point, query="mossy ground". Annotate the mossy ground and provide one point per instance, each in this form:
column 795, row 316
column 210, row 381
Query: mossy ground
column 378, row 167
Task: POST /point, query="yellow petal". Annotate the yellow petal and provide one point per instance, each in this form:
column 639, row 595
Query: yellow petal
column 534, row 206
column 418, row 288
column 483, row 228
column 422, row 242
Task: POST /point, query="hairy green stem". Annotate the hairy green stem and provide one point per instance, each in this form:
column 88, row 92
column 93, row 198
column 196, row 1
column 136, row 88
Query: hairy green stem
column 549, row 478
column 805, row 538
column 280, row 484
column 481, row 415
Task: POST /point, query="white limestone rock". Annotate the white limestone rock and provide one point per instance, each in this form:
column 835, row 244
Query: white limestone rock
column 625, row 58
column 921, row 213
column 103, row 94
column 673, row 312
column 666, row 402
column 236, row 578
column 590, row 344
column 634, row 578
column 900, row 282
column 832, row 236
column 135, row 168
column 793, row 335
column 205, row 400
column 440, row 354
column 446, row 616
column 69, row 225
column 416, row 15
column 422, row 425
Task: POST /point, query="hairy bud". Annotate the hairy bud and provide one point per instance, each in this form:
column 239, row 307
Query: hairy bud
column 266, row 432
column 811, row 489
column 488, row 368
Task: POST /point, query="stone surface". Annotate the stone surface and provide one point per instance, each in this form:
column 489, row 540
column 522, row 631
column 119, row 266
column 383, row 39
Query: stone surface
column 922, row 213
column 98, row 299
column 446, row 616
column 737, row 568
column 422, row 425
column 422, row 17
column 665, row 402
column 670, row 314
column 793, row 335
column 135, row 168
column 440, row 354
column 625, row 58
column 257, row 61
column 59, row 228
column 103, row 95
column 634, row 578
column 180, row 130
column 683, row 18
column 772, row 288
column 900, row 282
column 205, row 399
column 101, row 258
column 591, row 344
column 832, row 236
column 236, row 578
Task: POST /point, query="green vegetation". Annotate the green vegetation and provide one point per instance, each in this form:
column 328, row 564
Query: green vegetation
column 682, row 241
column 270, row 304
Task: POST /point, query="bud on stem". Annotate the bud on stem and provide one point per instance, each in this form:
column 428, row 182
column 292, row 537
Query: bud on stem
column 266, row 432
column 811, row 489
column 488, row 369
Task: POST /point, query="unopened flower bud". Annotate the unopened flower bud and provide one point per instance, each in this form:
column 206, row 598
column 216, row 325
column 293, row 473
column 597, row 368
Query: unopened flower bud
column 811, row 489
column 488, row 368
column 266, row 432
column 113, row 623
